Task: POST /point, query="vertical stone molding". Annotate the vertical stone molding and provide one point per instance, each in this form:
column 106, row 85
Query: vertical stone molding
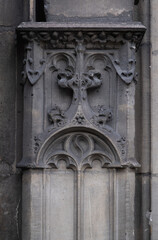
column 154, row 118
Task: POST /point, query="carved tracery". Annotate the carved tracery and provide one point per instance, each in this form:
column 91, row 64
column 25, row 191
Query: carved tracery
column 95, row 70
column 79, row 149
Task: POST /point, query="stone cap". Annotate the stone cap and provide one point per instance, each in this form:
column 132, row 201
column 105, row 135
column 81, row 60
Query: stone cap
column 130, row 31
column 97, row 26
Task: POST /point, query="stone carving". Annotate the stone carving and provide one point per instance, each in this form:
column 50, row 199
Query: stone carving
column 33, row 75
column 73, row 76
column 86, row 64
column 102, row 117
column 126, row 75
column 88, row 40
column 92, row 79
column 37, row 143
column 79, row 149
column 132, row 163
column 56, row 116
column 80, row 74
column 91, row 39
column 79, row 118
column 122, row 145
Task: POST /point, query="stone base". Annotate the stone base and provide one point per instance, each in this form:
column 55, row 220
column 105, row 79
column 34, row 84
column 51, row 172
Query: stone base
column 96, row 203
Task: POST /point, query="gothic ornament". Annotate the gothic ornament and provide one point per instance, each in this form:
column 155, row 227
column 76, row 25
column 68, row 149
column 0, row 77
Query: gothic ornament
column 33, row 75
column 82, row 103
column 56, row 116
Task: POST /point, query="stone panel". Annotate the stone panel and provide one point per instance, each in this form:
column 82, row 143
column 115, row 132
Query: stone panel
column 84, row 8
column 96, row 202
column 11, row 12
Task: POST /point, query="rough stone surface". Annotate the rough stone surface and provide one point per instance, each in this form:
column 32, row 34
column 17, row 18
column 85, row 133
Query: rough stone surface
column 142, row 208
column 120, row 10
column 11, row 14
column 10, row 207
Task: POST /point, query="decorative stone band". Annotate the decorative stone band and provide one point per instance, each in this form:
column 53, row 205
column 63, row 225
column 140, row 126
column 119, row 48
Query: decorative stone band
column 79, row 149
column 94, row 35
column 90, row 35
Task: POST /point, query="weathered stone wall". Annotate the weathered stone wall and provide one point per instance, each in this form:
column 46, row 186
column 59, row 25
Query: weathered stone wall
column 11, row 14
column 109, row 9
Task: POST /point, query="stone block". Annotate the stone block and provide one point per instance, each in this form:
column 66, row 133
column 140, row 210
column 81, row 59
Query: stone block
column 10, row 207
column 95, row 203
column 142, row 206
column 11, row 12
column 7, row 96
column 85, row 8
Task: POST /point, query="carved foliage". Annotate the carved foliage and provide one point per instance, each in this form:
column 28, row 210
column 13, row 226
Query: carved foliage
column 56, row 116
column 92, row 39
column 79, row 75
column 76, row 69
column 102, row 116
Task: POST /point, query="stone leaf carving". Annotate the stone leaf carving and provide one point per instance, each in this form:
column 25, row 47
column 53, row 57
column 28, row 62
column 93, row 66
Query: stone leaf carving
column 56, row 116
column 102, row 117
column 79, row 118
column 80, row 78
column 91, row 39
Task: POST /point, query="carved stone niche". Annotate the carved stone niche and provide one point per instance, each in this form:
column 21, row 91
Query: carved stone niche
column 79, row 129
